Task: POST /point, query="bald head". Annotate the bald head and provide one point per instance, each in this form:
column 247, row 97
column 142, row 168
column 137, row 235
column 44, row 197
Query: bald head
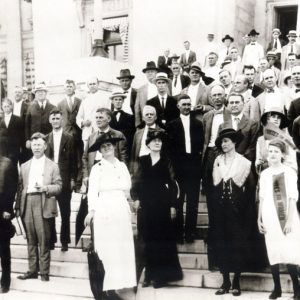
column 93, row 84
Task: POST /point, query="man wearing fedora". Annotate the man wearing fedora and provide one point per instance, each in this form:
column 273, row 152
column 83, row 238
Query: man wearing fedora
column 121, row 120
column 227, row 40
column 165, row 105
column 146, row 91
column 37, row 117
column 164, row 62
column 125, row 81
column 291, row 47
column 178, row 81
column 187, row 58
column 254, row 51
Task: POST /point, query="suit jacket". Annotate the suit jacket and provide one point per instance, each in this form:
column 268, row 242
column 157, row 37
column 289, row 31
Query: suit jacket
column 66, row 158
column 296, row 132
column 88, row 159
column 164, row 65
column 52, row 181
column 256, row 90
column 186, row 62
column 133, row 99
column 37, row 120
column 271, row 44
column 284, row 54
column 124, row 125
column 141, row 99
column 24, row 108
column 69, row 117
column 12, row 138
column 293, row 112
column 168, row 114
column 185, row 81
column 250, row 131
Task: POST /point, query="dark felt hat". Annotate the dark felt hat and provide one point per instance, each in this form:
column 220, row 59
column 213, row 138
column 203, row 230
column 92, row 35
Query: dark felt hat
column 197, row 67
column 227, row 37
column 253, row 32
column 235, row 136
column 155, row 134
column 125, row 73
column 274, row 110
column 150, row 66
column 102, row 139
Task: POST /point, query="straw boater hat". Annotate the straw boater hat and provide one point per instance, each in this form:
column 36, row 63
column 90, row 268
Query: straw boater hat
column 155, row 134
column 276, row 30
column 117, row 93
column 41, row 87
column 292, row 33
column 235, row 136
column 271, row 54
column 125, row 73
column 162, row 76
column 227, row 37
column 275, row 110
column 150, row 66
column 102, row 139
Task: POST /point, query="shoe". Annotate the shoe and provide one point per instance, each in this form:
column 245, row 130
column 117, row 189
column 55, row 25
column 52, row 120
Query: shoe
column 158, row 284
column 45, row 277
column 146, row 283
column 28, row 275
column 52, row 247
column 275, row 294
column 222, row 291
column 236, row 292
column 64, row 247
column 4, row 290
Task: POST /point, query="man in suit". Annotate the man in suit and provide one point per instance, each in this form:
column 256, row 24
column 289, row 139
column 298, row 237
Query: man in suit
column 37, row 117
column 164, row 62
column 187, row 58
column 250, row 72
column 177, row 81
column 20, row 106
column 276, row 45
column 40, row 182
column 291, row 47
column 125, row 81
column 103, row 117
column 235, row 66
column 121, row 120
column 294, row 109
column 271, row 58
column 69, row 107
column 226, row 79
column 185, row 147
column 293, row 92
column 165, row 105
column 198, row 92
column 61, row 149
column 146, row 91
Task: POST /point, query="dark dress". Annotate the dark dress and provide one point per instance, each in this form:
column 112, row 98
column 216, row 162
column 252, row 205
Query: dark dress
column 156, row 190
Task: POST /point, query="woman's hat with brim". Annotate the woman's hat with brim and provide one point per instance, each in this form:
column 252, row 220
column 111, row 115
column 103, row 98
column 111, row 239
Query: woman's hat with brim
column 41, row 87
column 197, row 67
column 227, row 37
column 155, row 134
column 175, row 56
column 274, row 110
column 102, row 139
column 150, row 66
column 235, row 136
column 287, row 75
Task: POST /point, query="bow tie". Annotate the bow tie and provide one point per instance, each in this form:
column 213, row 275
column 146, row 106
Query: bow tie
column 297, row 90
column 270, row 91
column 126, row 92
column 218, row 112
column 116, row 112
column 250, row 87
column 252, row 43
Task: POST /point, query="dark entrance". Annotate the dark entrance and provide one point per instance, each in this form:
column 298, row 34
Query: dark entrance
column 286, row 19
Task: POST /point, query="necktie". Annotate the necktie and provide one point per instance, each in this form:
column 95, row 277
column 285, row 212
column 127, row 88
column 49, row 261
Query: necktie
column 297, row 90
column 163, row 103
column 270, row 91
column 175, row 82
column 70, row 103
column 237, row 121
column 227, row 51
column 250, row 87
column 275, row 44
column 292, row 48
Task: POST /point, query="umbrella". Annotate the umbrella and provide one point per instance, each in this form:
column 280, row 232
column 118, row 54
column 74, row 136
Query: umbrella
column 82, row 213
column 96, row 269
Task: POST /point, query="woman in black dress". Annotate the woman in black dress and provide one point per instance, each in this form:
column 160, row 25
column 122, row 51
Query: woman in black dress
column 155, row 191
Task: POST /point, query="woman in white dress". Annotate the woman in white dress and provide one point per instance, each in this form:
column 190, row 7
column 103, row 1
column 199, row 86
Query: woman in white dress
column 278, row 218
column 109, row 185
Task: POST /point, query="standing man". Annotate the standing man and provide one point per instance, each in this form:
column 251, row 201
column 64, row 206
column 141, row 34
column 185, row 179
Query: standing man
column 165, row 105
column 69, row 107
column 250, row 73
column 125, row 81
column 20, row 107
column 61, row 149
column 187, row 58
column 276, row 45
column 212, row 70
column 294, row 108
column 164, row 62
column 186, row 144
column 235, row 66
column 146, row 91
column 40, row 182
column 37, row 117
column 178, row 81
column 291, row 47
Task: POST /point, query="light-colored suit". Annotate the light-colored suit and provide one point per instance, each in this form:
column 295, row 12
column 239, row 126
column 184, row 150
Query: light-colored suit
column 285, row 52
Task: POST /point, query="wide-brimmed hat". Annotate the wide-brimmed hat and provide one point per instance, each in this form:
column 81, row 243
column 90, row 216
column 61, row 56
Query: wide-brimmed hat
column 117, row 93
column 197, row 67
column 102, row 139
column 271, row 54
column 40, row 87
column 150, row 66
column 174, row 55
column 125, row 73
column 155, row 134
column 235, row 136
column 253, row 32
column 210, row 34
column 227, row 37
column 292, row 33
column 275, row 110
column 287, row 75
column 276, row 30
column 162, row 76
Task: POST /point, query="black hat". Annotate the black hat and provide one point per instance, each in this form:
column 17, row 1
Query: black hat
column 125, row 73
column 102, row 139
column 155, row 134
column 253, row 32
column 227, row 37
column 150, row 66
column 197, row 67
column 235, row 136
column 274, row 110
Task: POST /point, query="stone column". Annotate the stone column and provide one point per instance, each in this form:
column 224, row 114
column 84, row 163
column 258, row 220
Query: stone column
column 14, row 46
column 298, row 18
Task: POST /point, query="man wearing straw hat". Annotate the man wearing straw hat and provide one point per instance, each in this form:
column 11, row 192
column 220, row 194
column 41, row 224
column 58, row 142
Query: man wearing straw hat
column 291, row 47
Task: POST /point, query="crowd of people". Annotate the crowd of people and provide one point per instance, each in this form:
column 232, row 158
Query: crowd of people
column 227, row 127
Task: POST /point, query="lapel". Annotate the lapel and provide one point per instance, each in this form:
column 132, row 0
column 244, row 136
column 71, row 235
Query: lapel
column 262, row 102
column 51, row 145
column 209, row 125
column 26, row 174
column 65, row 103
column 243, row 123
column 62, row 144
column 200, row 93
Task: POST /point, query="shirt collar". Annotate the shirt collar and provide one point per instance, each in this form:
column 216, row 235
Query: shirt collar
column 58, row 132
column 238, row 116
column 184, row 117
column 8, row 115
column 219, row 110
column 39, row 160
column 152, row 126
column 165, row 96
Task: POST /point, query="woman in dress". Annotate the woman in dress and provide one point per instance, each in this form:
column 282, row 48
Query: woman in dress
column 109, row 185
column 278, row 218
column 155, row 191
column 277, row 118
column 233, row 209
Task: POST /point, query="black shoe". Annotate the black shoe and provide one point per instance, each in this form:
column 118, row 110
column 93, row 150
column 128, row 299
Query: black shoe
column 146, row 283
column 224, row 289
column 28, row 275
column 45, row 277
column 236, row 292
column 275, row 294
column 64, row 247
column 158, row 284
column 4, row 290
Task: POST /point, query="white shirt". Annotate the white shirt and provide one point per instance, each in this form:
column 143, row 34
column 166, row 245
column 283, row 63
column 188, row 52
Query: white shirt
column 192, row 92
column 144, row 149
column 228, row 89
column 253, row 52
column 234, row 120
column 279, row 47
column 56, row 143
column 42, row 104
column 126, row 104
column 187, row 136
column 187, row 54
column 212, row 72
column 17, row 108
column 217, row 121
column 178, row 88
column 36, row 174
column 274, row 100
column 7, row 119
column 163, row 100
column 98, row 153
column 152, row 91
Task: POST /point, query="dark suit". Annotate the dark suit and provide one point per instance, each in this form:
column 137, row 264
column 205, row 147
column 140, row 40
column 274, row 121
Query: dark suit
column 169, row 113
column 125, row 125
column 37, row 119
column 133, row 99
column 7, row 195
column 187, row 62
column 256, row 90
column 184, row 80
column 68, row 171
column 187, row 168
column 293, row 113
column 163, row 64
